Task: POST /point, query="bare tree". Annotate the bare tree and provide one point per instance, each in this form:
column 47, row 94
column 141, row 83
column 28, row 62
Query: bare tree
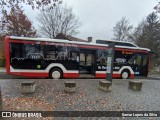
column 122, row 30
column 59, row 19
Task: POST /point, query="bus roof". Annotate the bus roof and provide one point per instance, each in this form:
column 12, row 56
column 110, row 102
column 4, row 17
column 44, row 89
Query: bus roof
column 76, row 42
column 120, row 43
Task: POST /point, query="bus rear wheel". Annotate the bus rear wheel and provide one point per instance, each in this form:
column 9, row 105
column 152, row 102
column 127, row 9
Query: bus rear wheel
column 55, row 74
column 125, row 74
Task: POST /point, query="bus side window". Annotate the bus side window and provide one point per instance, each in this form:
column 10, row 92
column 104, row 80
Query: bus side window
column 62, row 53
column 131, row 61
column 33, row 51
column 74, row 56
column 50, row 52
column 32, row 48
column 16, row 50
column 138, row 60
column 145, row 60
column 102, row 57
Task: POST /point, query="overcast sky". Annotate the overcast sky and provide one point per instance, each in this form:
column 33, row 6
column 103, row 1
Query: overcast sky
column 98, row 17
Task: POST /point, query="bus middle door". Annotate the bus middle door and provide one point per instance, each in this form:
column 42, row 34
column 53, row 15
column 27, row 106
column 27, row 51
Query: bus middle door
column 87, row 62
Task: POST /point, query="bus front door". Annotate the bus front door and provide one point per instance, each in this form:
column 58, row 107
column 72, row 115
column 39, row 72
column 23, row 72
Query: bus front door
column 141, row 65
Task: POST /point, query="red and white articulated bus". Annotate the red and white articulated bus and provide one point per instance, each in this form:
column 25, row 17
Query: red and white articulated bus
column 56, row 58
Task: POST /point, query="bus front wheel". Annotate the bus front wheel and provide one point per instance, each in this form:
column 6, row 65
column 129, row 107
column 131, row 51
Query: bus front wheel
column 55, row 74
column 125, row 74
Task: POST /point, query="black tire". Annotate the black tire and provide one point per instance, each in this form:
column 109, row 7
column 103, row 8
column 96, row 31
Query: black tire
column 55, row 73
column 125, row 74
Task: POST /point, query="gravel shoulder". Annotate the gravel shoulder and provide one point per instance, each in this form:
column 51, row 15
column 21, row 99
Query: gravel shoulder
column 50, row 96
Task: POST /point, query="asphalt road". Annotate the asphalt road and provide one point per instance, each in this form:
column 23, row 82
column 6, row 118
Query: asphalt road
column 3, row 75
column 87, row 96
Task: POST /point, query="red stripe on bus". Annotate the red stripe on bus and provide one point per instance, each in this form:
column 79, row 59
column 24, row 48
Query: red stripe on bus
column 131, row 76
column 20, row 41
column 65, row 75
column 99, row 75
column 43, row 43
column 83, row 46
column 37, row 75
column 92, row 47
column 70, row 75
column 7, row 54
column 133, row 50
column 116, row 75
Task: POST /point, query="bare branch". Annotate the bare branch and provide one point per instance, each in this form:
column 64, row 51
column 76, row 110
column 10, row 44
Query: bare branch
column 59, row 19
column 122, row 30
column 33, row 3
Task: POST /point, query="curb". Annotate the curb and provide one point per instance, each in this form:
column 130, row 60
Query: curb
column 2, row 70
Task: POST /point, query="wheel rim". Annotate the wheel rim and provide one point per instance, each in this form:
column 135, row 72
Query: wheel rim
column 56, row 74
column 125, row 75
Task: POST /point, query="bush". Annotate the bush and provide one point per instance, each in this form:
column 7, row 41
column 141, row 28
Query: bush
column 2, row 63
